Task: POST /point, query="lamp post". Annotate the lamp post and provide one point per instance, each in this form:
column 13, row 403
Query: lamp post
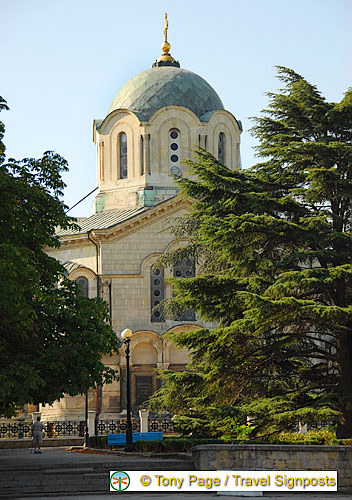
column 86, row 431
column 126, row 337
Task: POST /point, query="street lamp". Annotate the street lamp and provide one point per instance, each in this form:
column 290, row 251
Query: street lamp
column 126, row 337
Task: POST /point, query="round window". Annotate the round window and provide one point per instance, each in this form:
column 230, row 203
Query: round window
column 174, row 146
column 174, row 158
column 124, row 161
column 157, row 272
column 173, row 134
column 123, row 137
column 156, row 293
column 175, row 170
column 178, row 273
column 156, row 282
column 124, row 173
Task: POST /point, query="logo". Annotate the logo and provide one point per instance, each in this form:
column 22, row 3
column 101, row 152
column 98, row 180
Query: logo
column 119, row 480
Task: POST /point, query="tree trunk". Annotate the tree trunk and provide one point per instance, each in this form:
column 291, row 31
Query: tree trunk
column 344, row 426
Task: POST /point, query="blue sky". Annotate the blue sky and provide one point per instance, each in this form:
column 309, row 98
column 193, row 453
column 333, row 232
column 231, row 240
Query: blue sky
column 63, row 61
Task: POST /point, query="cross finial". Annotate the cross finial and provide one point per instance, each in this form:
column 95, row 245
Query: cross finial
column 166, row 26
column 166, row 58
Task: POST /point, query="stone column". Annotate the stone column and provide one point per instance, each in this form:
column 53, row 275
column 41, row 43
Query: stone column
column 105, row 292
column 91, row 423
column 202, row 141
column 143, row 416
column 146, row 149
column 36, row 414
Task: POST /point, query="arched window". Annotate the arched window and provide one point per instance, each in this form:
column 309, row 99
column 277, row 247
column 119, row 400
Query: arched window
column 185, row 269
column 221, row 148
column 174, row 151
column 123, row 155
column 83, row 284
column 156, row 294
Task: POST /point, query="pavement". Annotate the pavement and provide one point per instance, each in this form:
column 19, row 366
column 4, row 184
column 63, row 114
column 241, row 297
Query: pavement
column 198, row 496
column 21, row 459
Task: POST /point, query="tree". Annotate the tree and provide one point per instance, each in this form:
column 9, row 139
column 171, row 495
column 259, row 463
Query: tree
column 52, row 338
column 276, row 247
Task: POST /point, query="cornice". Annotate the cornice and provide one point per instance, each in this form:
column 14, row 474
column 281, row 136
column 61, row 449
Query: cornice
column 129, row 226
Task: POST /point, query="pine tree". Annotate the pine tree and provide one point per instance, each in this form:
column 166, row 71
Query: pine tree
column 275, row 245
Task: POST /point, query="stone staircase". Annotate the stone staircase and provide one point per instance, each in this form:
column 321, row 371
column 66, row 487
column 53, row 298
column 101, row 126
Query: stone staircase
column 42, row 479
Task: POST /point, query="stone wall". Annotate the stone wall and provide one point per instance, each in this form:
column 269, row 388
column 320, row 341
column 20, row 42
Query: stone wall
column 277, row 457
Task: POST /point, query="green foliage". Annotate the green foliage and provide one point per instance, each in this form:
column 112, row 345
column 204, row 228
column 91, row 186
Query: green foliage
column 51, row 338
column 274, row 249
column 184, row 445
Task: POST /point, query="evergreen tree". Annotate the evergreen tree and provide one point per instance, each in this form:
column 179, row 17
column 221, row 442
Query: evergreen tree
column 275, row 247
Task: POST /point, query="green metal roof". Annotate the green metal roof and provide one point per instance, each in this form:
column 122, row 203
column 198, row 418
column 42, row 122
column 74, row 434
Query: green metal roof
column 102, row 220
column 155, row 88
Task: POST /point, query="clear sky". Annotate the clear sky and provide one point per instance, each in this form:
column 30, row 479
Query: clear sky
column 63, row 61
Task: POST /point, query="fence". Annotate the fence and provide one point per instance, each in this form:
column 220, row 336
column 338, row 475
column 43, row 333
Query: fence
column 23, row 429
column 105, row 427
column 19, row 429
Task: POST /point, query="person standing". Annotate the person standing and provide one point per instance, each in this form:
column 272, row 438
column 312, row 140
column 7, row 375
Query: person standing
column 38, row 429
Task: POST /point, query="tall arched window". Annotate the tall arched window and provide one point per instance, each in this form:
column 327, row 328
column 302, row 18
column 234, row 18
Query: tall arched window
column 83, row 284
column 156, row 294
column 221, row 148
column 185, row 269
column 123, row 155
column 174, row 151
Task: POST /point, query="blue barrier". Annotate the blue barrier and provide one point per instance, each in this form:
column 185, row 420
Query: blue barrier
column 116, row 439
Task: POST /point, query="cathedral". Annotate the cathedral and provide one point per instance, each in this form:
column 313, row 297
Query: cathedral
column 154, row 122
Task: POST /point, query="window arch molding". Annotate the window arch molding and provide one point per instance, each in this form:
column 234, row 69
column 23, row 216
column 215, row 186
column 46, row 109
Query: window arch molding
column 88, row 274
column 113, row 144
column 185, row 125
column 213, row 146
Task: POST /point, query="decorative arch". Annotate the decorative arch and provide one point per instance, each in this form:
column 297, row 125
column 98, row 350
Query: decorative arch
column 84, row 273
column 145, row 353
column 121, row 158
column 172, row 354
column 150, row 337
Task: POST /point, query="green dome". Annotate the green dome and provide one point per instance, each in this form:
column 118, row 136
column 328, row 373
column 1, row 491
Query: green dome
column 163, row 86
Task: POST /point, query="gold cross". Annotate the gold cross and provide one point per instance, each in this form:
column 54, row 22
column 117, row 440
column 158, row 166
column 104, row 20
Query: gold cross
column 166, row 26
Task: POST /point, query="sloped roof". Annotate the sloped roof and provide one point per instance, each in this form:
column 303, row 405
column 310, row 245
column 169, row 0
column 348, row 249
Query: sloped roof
column 102, row 220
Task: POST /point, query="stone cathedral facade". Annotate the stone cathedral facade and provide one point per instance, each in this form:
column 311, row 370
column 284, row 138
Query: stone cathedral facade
column 154, row 122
